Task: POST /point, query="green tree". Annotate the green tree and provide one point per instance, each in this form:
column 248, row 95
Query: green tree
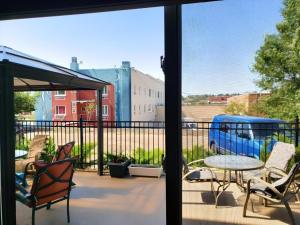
column 24, row 102
column 235, row 108
column 278, row 64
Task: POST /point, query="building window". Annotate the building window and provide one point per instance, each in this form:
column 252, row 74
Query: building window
column 104, row 91
column 60, row 110
column 60, row 93
column 158, row 94
column 134, row 109
column 145, row 108
column 134, row 90
column 149, row 108
column 139, row 91
column 105, row 110
column 139, row 109
column 149, row 92
column 73, row 106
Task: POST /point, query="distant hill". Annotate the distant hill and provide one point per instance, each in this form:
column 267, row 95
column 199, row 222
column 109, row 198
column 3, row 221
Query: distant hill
column 202, row 99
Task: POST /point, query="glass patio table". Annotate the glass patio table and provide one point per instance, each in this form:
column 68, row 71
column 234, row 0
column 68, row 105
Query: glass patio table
column 20, row 153
column 229, row 163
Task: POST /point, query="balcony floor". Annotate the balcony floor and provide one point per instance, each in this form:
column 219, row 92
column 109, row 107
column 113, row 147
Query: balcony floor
column 107, row 201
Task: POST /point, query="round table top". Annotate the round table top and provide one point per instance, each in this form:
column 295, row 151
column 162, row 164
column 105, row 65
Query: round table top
column 20, row 153
column 233, row 162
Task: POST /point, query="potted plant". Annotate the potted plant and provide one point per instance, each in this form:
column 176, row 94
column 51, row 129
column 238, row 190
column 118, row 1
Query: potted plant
column 118, row 166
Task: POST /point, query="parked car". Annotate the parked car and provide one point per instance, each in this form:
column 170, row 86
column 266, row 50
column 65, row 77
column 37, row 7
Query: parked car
column 245, row 135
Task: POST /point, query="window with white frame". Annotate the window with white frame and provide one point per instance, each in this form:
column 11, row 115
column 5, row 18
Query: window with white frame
column 60, row 93
column 73, row 106
column 105, row 110
column 104, row 91
column 149, row 108
column 60, row 110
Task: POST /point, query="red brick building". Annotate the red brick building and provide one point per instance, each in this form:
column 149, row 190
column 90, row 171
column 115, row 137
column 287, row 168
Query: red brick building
column 71, row 105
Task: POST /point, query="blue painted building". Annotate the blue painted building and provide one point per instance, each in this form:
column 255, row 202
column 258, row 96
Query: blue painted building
column 121, row 79
column 137, row 95
column 43, row 107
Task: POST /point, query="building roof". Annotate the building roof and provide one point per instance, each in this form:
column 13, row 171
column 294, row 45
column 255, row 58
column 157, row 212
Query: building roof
column 248, row 119
column 31, row 73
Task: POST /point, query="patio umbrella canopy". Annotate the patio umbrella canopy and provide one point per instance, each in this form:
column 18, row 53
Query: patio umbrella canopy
column 34, row 74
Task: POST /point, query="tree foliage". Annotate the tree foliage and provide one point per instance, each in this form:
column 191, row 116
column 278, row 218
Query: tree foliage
column 278, row 64
column 24, row 102
column 235, row 108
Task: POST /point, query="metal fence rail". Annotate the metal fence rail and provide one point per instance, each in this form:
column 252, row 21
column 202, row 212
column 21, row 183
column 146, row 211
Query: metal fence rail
column 144, row 141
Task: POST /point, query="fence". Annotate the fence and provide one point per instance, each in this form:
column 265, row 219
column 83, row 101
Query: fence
column 144, row 142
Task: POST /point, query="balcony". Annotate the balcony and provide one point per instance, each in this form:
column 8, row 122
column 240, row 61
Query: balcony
column 104, row 200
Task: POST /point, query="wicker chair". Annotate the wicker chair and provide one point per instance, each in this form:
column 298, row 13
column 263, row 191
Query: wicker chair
column 52, row 183
column 280, row 191
column 199, row 174
column 35, row 149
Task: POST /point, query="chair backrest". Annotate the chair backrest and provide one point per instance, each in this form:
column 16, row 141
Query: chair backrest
column 280, row 155
column 283, row 184
column 52, row 181
column 36, row 145
column 64, row 151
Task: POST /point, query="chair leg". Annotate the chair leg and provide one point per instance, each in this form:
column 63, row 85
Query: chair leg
column 246, row 204
column 68, row 209
column 33, row 215
column 287, row 206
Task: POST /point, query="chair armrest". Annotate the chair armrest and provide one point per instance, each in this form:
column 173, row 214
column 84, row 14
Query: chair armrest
column 195, row 161
column 270, row 186
column 276, row 171
column 21, row 189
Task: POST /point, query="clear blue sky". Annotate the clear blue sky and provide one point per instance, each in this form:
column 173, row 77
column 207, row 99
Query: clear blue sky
column 219, row 41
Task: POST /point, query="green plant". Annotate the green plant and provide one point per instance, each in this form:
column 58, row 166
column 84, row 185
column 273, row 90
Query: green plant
column 87, row 149
column 49, row 150
column 22, row 143
column 142, row 156
column 197, row 152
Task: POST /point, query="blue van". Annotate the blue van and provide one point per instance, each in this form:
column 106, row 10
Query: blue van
column 243, row 135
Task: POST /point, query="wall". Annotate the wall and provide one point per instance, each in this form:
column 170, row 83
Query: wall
column 43, row 109
column 246, row 99
column 147, row 93
column 120, row 78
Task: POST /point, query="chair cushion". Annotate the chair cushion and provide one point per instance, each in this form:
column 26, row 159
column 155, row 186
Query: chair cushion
column 201, row 175
column 262, row 189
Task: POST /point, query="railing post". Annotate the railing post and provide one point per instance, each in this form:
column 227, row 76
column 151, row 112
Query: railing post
column 297, row 131
column 100, row 133
column 81, row 141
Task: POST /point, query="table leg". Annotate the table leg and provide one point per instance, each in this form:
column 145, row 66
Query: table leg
column 240, row 180
column 224, row 185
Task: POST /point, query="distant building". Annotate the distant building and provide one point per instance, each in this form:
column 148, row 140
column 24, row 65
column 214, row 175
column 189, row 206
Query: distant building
column 136, row 95
column 73, row 105
column 217, row 99
column 246, row 99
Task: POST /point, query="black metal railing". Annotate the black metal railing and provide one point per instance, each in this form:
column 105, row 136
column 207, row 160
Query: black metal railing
column 144, row 141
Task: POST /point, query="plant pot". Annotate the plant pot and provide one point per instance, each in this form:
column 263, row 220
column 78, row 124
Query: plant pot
column 118, row 169
column 145, row 170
